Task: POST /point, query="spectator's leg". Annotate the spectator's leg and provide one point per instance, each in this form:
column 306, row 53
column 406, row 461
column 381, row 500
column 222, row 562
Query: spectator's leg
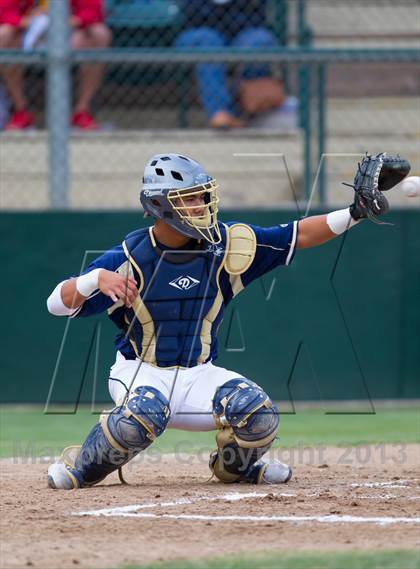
column 97, row 36
column 211, row 77
column 10, row 38
column 255, row 38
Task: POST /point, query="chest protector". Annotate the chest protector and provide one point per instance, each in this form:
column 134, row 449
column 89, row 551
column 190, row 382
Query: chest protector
column 175, row 318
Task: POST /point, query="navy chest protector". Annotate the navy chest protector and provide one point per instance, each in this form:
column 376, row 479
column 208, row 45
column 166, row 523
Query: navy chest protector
column 180, row 306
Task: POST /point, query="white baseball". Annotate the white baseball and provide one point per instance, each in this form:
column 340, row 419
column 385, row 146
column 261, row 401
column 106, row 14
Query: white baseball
column 411, row 186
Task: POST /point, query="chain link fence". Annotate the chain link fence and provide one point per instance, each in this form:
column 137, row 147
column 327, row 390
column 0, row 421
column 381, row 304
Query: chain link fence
column 173, row 65
column 364, row 23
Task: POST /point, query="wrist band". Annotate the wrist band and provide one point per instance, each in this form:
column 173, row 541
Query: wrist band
column 88, row 283
column 341, row 220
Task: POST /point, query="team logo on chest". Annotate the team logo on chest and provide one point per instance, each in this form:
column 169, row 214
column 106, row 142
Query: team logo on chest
column 215, row 249
column 184, row 283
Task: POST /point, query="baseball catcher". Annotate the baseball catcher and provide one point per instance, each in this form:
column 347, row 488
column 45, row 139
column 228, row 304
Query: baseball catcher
column 166, row 289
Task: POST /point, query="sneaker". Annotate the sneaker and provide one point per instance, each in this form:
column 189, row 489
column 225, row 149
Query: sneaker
column 285, row 117
column 84, row 120
column 20, row 120
column 61, row 474
column 223, row 119
column 274, row 472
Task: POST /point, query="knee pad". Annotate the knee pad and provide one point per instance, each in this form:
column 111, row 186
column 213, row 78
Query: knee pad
column 120, row 435
column 247, row 420
column 244, row 409
column 140, row 421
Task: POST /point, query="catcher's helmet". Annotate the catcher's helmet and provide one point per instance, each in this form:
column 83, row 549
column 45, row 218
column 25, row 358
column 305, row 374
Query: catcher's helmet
column 168, row 178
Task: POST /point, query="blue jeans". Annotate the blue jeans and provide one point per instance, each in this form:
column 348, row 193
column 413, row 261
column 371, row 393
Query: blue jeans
column 211, row 77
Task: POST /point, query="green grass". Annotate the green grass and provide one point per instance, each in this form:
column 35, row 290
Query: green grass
column 401, row 559
column 26, row 429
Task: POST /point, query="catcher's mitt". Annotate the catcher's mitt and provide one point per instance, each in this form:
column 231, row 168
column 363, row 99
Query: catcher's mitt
column 376, row 174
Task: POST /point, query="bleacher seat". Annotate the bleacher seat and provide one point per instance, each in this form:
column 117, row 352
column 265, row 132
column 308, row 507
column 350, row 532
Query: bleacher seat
column 143, row 14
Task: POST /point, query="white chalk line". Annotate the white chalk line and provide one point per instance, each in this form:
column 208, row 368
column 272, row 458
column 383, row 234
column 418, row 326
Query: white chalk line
column 400, row 484
column 382, row 521
column 132, row 511
column 228, row 496
column 386, row 497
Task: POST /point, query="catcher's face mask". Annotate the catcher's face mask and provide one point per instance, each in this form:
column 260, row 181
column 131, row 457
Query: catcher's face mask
column 197, row 208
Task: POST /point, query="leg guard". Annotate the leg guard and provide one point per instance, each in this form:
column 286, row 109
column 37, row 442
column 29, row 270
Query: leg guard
column 116, row 439
column 248, row 421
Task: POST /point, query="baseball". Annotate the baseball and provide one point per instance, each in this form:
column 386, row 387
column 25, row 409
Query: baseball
column 411, row 186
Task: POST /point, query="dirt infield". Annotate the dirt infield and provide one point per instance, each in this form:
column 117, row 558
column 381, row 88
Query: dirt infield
column 355, row 498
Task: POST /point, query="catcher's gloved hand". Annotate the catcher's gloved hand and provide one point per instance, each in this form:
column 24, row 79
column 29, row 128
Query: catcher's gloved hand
column 376, row 174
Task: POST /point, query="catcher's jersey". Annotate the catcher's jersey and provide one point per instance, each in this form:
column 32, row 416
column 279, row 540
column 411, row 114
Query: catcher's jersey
column 183, row 293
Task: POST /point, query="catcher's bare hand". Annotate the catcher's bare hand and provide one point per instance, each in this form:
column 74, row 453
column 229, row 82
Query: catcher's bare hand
column 117, row 287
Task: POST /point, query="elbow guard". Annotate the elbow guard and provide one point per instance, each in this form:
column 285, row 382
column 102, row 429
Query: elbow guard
column 56, row 305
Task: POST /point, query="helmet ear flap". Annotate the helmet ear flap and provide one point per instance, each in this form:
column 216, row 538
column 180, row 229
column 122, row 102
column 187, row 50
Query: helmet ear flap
column 162, row 213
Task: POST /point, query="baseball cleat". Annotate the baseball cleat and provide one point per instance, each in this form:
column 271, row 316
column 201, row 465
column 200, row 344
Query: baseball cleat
column 59, row 478
column 61, row 475
column 274, row 472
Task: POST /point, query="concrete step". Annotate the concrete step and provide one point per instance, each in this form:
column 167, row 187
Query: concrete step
column 254, row 168
column 106, row 169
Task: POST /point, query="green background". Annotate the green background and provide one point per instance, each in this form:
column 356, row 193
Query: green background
column 27, row 432
column 341, row 322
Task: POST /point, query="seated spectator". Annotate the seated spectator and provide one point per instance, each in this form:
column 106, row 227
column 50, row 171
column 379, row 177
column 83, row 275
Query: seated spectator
column 239, row 23
column 88, row 31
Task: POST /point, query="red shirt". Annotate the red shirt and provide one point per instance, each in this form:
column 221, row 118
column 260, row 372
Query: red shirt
column 12, row 11
column 88, row 11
